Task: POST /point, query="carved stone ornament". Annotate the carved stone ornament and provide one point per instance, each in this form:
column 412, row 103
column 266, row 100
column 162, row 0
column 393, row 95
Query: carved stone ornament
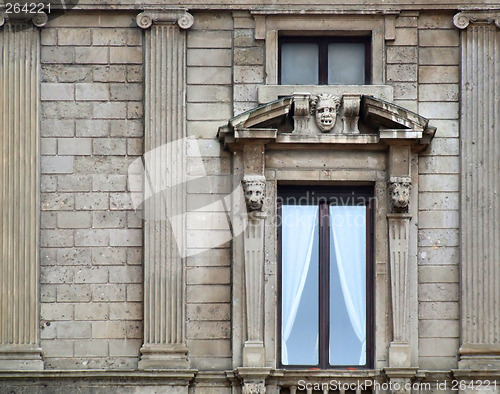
column 39, row 20
column 463, row 19
column 183, row 18
column 254, row 187
column 399, row 190
column 254, row 388
column 324, row 107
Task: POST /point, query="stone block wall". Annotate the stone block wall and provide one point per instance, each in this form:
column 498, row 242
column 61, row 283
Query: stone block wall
column 209, row 105
column 91, row 239
column 92, row 129
column 438, row 254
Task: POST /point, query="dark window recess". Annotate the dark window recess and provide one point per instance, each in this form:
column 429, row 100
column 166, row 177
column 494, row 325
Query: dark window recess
column 325, row 277
column 324, row 60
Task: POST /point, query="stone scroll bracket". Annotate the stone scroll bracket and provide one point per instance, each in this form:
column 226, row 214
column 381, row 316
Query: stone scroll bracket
column 480, row 208
column 165, row 123
column 399, row 187
column 20, row 188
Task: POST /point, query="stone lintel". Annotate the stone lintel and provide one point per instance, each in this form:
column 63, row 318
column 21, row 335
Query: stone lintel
column 40, row 19
column 463, row 19
column 168, row 17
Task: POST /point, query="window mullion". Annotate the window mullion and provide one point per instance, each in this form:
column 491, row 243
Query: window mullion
column 324, row 285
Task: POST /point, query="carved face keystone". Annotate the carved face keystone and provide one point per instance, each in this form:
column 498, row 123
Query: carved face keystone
column 325, row 108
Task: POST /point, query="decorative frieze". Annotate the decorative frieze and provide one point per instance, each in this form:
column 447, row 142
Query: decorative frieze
column 480, row 205
column 19, row 191
column 164, row 228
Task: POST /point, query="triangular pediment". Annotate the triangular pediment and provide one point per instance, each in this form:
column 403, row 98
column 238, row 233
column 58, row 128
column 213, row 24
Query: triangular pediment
column 326, row 118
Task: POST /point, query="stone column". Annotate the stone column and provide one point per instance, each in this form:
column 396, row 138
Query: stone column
column 19, row 191
column 165, row 195
column 480, row 189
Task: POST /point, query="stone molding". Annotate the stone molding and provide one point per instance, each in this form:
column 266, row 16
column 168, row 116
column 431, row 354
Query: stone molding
column 165, row 224
column 20, row 190
column 39, row 20
column 480, row 207
column 463, row 19
column 169, row 17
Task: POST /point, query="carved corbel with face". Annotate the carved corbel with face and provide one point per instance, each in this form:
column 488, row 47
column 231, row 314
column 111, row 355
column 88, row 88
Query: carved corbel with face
column 399, row 191
column 254, row 187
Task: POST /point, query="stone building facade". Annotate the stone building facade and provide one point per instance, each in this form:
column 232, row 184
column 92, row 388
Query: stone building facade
column 134, row 136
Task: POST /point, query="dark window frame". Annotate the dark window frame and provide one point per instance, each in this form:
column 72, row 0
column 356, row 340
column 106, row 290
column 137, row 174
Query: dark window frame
column 362, row 194
column 323, row 42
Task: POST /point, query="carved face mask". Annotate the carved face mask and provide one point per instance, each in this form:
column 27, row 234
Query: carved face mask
column 326, row 115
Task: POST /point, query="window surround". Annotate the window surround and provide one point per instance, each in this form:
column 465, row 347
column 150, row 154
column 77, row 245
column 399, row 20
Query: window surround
column 269, row 27
column 385, row 148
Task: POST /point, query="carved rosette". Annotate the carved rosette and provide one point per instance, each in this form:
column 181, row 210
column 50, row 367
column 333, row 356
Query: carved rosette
column 399, row 192
column 324, row 108
column 254, row 388
column 254, row 187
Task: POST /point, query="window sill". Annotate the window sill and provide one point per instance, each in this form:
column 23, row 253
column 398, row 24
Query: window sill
column 267, row 93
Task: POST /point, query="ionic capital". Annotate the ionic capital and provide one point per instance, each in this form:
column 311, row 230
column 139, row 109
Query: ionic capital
column 463, row 19
column 40, row 19
column 180, row 16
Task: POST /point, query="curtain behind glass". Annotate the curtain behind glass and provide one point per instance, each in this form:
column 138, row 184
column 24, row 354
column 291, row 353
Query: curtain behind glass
column 299, row 253
column 348, row 261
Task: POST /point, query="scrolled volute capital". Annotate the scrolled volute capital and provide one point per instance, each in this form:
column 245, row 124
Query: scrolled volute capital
column 399, row 193
column 40, row 19
column 183, row 18
column 254, row 187
column 463, row 19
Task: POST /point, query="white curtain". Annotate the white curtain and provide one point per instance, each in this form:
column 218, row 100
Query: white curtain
column 348, row 231
column 299, row 224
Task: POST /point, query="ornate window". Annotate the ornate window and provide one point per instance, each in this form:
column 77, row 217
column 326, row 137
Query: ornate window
column 325, row 252
column 325, row 60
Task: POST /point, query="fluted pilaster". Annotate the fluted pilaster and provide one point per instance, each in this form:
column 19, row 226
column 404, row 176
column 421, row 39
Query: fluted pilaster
column 480, row 192
column 164, row 229
column 19, row 197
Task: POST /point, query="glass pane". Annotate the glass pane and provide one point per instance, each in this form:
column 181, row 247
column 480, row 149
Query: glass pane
column 299, row 64
column 346, row 64
column 299, row 310
column 348, row 285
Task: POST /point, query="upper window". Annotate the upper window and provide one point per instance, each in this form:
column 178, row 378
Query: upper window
column 325, row 243
column 324, row 60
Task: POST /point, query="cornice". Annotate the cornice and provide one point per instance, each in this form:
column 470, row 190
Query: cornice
column 178, row 16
